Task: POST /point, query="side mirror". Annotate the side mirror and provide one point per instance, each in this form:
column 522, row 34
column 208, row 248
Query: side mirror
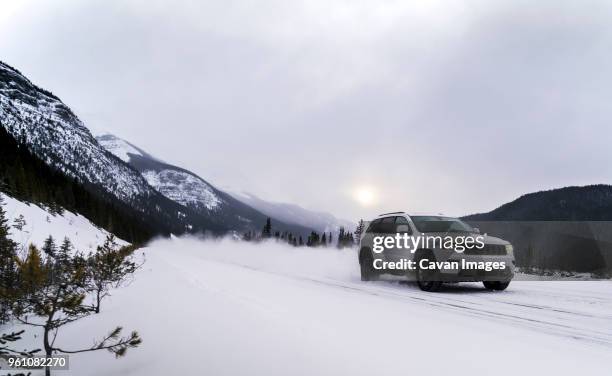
column 477, row 230
column 402, row 228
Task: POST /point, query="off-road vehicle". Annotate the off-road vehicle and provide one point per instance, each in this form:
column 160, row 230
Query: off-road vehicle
column 428, row 260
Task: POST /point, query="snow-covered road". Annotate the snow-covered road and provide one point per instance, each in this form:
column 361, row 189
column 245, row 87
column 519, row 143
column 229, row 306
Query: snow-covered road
column 207, row 308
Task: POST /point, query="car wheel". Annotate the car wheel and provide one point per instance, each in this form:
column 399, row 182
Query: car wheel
column 426, row 279
column 496, row 285
column 367, row 268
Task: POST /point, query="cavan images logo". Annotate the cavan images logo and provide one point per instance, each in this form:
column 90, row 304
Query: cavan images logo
column 458, row 244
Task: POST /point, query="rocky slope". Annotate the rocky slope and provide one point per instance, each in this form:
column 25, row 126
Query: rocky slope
column 55, row 134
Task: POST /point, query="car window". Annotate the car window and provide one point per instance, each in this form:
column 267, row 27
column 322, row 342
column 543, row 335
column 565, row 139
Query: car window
column 387, row 225
column 402, row 221
column 373, row 226
column 440, row 224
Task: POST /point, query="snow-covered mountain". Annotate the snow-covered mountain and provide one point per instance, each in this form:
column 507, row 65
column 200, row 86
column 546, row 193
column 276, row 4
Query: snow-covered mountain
column 178, row 185
column 121, row 148
column 39, row 121
column 55, row 134
column 291, row 213
column 161, row 197
column 191, row 191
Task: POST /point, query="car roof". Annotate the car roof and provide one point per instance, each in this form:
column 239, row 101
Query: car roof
column 439, row 214
column 410, row 214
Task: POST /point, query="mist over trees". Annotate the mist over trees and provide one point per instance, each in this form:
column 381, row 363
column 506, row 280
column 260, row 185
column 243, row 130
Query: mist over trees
column 344, row 238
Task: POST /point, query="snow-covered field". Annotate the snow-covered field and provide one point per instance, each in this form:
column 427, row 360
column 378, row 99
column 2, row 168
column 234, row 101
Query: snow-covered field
column 227, row 308
column 39, row 224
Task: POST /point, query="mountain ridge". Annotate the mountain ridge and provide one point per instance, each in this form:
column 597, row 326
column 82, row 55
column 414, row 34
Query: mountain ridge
column 572, row 203
column 190, row 190
column 39, row 121
column 38, row 118
column 320, row 221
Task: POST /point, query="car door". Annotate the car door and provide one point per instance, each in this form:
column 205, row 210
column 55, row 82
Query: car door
column 395, row 225
column 386, row 229
column 367, row 238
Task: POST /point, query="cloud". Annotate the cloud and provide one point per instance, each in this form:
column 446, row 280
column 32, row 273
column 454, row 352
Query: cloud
column 441, row 106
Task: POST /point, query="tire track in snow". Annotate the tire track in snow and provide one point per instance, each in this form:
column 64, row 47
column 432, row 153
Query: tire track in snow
column 562, row 326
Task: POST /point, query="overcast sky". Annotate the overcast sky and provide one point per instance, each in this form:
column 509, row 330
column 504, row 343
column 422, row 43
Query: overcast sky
column 452, row 106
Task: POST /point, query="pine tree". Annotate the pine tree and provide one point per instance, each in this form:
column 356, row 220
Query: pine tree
column 8, row 265
column 19, row 223
column 65, row 251
column 32, row 272
column 314, row 239
column 345, row 238
column 267, row 230
column 324, row 240
column 359, row 230
column 61, row 300
column 49, row 247
column 108, row 267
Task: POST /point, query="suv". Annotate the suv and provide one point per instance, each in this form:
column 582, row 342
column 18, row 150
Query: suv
column 433, row 249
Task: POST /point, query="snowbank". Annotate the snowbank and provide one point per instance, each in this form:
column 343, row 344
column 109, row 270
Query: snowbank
column 39, row 224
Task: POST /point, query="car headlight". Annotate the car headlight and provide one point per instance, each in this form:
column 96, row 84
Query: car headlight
column 510, row 249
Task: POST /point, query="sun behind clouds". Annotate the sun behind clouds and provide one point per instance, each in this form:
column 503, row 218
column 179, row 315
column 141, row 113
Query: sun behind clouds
column 365, row 195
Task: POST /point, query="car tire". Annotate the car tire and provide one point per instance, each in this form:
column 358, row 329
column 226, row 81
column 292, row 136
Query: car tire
column 426, row 279
column 496, row 285
column 367, row 268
